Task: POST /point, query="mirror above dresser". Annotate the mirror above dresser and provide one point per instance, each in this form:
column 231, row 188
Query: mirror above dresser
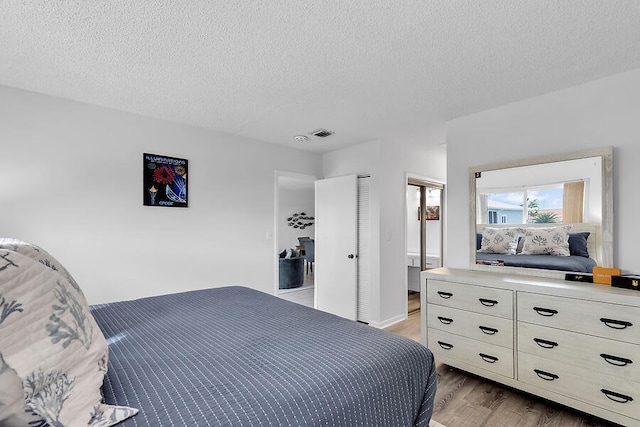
column 544, row 216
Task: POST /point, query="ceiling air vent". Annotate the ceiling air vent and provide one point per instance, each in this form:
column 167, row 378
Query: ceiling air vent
column 321, row 133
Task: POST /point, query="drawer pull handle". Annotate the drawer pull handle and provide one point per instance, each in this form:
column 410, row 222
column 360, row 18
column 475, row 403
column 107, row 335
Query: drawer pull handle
column 445, row 320
column 487, row 358
column 445, row 345
column 487, row 302
column 546, row 312
column 545, row 375
column 445, row 295
column 616, row 324
column 616, row 397
column 487, row 330
column 615, row 360
column 544, row 343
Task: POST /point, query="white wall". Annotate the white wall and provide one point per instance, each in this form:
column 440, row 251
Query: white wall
column 423, row 157
column 601, row 113
column 71, row 181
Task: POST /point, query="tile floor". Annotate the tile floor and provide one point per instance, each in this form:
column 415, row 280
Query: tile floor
column 302, row 295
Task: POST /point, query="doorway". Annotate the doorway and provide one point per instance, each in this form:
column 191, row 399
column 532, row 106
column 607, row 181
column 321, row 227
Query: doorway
column 424, row 200
column 294, row 220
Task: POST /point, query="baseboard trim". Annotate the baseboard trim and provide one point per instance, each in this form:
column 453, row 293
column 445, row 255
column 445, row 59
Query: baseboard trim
column 388, row 322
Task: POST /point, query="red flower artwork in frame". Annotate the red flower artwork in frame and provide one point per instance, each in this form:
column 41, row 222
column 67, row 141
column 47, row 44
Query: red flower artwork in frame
column 164, row 175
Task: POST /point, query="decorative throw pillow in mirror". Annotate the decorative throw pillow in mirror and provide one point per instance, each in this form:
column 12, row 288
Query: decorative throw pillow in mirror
column 500, row 240
column 547, row 241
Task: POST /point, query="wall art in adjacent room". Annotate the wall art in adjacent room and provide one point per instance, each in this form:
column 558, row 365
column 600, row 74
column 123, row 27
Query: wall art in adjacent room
column 433, row 213
column 165, row 181
column 300, row 220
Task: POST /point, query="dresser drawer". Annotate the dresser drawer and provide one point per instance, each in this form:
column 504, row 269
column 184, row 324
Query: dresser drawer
column 490, row 329
column 451, row 348
column 618, row 322
column 479, row 299
column 615, row 394
column 609, row 357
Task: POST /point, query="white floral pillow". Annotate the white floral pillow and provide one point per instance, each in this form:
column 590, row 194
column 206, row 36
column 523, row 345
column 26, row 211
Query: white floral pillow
column 12, row 407
column 43, row 257
column 51, row 340
column 547, row 241
column 500, row 240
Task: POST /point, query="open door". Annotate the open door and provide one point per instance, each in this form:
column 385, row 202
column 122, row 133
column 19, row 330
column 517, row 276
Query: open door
column 336, row 243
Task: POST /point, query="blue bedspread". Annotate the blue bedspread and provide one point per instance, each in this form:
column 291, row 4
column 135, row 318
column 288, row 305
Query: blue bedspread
column 238, row 357
column 545, row 262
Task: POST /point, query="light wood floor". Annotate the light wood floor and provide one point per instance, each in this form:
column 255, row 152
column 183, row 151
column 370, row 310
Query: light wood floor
column 465, row 400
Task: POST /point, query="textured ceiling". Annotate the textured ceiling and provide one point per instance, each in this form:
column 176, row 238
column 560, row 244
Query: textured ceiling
column 272, row 69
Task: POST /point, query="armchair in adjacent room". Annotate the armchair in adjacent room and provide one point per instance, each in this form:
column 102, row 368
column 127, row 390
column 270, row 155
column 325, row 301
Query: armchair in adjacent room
column 309, row 251
column 291, row 270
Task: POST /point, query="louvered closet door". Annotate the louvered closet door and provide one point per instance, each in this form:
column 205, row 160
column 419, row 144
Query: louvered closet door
column 364, row 250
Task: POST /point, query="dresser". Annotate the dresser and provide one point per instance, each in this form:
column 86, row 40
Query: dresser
column 575, row 343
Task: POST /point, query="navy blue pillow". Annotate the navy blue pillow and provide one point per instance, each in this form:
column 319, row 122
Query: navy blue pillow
column 478, row 241
column 578, row 244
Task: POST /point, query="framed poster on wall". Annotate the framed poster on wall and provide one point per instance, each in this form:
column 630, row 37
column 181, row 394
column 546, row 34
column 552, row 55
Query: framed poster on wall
column 165, row 181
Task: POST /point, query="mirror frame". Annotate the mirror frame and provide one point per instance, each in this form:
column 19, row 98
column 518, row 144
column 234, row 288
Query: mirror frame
column 605, row 153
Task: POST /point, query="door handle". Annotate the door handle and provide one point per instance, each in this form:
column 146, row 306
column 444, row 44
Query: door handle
column 351, row 256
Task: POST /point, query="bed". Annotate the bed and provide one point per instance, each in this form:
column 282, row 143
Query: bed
column 545, row 262
column 234, row 356
column 580, row 254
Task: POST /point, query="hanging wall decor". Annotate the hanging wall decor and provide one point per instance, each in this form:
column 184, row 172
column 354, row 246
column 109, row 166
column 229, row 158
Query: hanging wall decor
column 300, row 220
column 165, row 181
column 433, row 213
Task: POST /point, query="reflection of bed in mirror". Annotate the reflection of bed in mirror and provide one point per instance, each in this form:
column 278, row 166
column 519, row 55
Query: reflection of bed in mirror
column 583, row 249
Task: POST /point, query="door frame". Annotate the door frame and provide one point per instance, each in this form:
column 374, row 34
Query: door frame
column 276, row 216
column 443, row 211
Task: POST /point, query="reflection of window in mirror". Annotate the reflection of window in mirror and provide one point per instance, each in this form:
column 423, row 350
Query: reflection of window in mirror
column 528, row 195
column 556, row 203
